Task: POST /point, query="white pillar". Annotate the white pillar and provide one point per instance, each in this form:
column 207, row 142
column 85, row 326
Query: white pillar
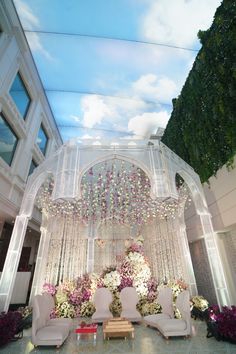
column 41, row 262
column 187, row 256
column 217, row 270
column 12, row 260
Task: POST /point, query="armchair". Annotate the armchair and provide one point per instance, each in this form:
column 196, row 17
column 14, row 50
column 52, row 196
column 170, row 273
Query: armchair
column 44, row 333
column 165, row 299
column 174, row 326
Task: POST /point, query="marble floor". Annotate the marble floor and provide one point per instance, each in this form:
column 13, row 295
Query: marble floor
column 147, row 340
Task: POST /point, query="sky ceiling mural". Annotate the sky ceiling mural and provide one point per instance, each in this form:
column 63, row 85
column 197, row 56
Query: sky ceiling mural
column 111, row 68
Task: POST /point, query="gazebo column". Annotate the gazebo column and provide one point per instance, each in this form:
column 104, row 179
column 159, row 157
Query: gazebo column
column 217, row 270
column 12, row 260
column 41, row 263
column 187, row 256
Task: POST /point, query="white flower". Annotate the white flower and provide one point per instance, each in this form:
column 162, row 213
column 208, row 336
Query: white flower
column 141, row 289
column 140, row 240
column 112, row 280
column 135, row 257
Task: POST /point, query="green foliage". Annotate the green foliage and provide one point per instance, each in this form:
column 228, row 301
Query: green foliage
column 202, row 126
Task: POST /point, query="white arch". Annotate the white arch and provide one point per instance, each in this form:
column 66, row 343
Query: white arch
column 208, row 233
column 121, row 157
column 196, row 192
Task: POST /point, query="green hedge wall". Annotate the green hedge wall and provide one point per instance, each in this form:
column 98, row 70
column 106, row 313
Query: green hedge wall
column 202, row 126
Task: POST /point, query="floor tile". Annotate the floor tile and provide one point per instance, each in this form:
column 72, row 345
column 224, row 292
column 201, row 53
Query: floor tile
column 147, row 341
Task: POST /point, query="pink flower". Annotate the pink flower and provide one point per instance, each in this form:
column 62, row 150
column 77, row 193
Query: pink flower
column 125, row 282
column 75, row 297
column 49, row 288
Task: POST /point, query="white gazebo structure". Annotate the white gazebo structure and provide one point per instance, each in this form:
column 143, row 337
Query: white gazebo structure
column 68, row 166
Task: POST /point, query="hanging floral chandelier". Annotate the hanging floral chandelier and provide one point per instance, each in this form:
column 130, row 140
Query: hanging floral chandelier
column 114, row 190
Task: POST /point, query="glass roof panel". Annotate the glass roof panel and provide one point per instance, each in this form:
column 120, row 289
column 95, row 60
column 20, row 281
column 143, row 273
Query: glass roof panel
column 100, row 78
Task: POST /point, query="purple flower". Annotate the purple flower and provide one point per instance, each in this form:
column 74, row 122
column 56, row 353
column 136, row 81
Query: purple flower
column 75, row 297
column 10, row 324
column 125, row 282
column 86, row 295
column 53, row 313
column 226, row 321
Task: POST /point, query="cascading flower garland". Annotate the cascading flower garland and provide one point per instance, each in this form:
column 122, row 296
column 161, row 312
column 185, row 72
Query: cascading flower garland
column 114, row 190
column 75, row 298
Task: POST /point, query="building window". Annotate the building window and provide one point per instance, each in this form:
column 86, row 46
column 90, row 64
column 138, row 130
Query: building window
column 8, row 141
column 33, row 165
column 42, row 140
column 20, row 95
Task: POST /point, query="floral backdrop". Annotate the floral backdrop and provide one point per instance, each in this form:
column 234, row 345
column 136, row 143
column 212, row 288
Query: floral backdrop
column 75, row 298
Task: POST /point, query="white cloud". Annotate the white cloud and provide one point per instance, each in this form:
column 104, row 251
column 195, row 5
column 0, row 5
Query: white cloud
column 177, row 22
column 86, row 136
column 132, row 137
column 30, row 22
column 28, row 19
column 94, row 110
column 150, row 87
column 145, row 124
column 75, row 118
column 36, row 45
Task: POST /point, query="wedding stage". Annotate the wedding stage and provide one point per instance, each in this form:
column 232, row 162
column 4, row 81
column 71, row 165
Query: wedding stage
column 96, row 203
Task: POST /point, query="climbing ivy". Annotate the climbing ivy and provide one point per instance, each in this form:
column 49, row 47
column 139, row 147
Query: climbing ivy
column 202, row 126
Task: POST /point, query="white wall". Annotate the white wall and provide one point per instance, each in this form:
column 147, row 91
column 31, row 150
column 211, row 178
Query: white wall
column 221, row 199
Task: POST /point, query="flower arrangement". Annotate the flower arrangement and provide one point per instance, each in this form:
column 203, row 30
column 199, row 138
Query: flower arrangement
column 87, row 309
column 222, row 324
column 76, row 298
column 199, row 302
column 146, row 307
column 26, row 313
column 115, row 306
column 10, row 325
column 176, row 285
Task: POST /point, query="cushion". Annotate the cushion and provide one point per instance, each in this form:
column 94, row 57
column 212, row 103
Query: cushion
column 172, row 325
column 52, row 333
column 130, row 314
column 154, row 318
column 60, row 322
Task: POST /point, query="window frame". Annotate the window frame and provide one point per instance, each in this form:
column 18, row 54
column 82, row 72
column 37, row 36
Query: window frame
column 32, row 162
column 26, row 91
column 2, row 115
column 45, row 133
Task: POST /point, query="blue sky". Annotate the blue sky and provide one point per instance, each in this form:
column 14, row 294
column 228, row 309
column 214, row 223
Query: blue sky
column 101, row 82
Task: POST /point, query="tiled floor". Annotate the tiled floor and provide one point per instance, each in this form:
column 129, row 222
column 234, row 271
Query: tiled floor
column 146, row 341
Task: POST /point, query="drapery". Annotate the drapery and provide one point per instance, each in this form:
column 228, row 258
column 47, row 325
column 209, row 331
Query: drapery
column 109, row 248
column 163, row 247
column 67, row 253
column 66, row 258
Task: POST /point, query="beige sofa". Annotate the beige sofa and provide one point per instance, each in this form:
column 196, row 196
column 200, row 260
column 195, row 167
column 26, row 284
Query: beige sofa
column 46, row 331
column 177, row 327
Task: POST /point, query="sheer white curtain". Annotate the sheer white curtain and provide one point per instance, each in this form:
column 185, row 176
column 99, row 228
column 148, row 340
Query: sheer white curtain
column 67, row 253
column 110, row 245
column 163, row 248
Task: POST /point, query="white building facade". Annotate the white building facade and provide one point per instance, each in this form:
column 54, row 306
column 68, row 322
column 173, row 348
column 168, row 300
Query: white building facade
column 28, row 132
